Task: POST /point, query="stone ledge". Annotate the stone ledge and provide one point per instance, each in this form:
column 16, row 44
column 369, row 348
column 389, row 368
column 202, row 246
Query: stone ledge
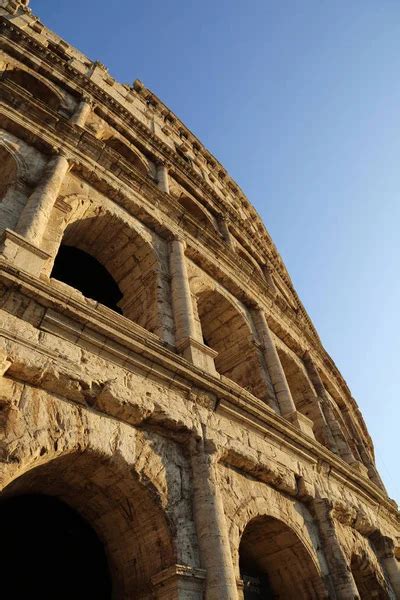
column 22, row 254
column 180, row 581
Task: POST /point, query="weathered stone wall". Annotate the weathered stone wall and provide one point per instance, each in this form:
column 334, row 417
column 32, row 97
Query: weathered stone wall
column 198, row 426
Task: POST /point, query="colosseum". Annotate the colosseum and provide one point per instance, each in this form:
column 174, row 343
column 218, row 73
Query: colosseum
column 171, row 425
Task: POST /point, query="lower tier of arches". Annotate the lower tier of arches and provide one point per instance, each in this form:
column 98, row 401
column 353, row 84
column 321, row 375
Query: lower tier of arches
column 92, row 507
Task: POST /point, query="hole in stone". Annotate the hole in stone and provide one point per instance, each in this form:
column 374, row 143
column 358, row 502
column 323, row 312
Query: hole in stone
column 49, row 551
column 84, row 273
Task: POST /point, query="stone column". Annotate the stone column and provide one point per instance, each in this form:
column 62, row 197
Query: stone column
column 277, row 375
column 162, row 177
column 336, row 439
column 340, row 573
column 274, row 365
column 212, row 531
column 188, row 339
column 82, row 112
column 35, row 216
column 223, row 223
column 363, row 451
column 384, row 548
column 267, row 272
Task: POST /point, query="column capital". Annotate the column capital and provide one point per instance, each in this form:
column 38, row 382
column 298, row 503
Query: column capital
column 202, row 446
column 163, row 162
column 178, row 237
column 60, row 152
column 88, row 100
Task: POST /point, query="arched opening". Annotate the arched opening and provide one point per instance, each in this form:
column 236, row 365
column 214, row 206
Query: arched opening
column 275, row 563
column 8, row 171
column 48, row 550
column 130, row 155
column 226, row 331
column 84, row 273
column 130, row 277
column 34, row 86
column 118, row 521
column 195, row 209
column 303, row 393
column 369, row 584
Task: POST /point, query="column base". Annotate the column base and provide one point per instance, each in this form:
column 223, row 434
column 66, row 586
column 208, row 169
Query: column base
column 179, row 582
column 22, row 254
column 301, row 422
column 199, row 354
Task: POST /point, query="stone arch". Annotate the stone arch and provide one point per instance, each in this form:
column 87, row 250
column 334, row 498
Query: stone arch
column 302, row 390
column 369, row 582
column 131, row 256
column 343, row 416
column 129, row 153
column 225, row 328
column 89, row 463
column 35, row 85
column 277, row 537
column 195, row 209
column 367, row 570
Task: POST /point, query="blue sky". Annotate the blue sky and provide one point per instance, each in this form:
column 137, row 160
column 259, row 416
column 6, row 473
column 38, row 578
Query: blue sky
column 300, row 101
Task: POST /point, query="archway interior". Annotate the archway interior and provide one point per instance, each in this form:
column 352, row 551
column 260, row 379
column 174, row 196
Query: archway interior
column 84, row 273
column 126, row 152
column 49, row 551
column 8, row 171
column 130, row 261
column 124, row 514
column 367, row 580
column 35, row 87
column 303, row 393
column 225, row 330
column 274, row 563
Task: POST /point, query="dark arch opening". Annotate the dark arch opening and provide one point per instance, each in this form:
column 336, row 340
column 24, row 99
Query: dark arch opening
column 127, row 153
column 49, row 551
column 83, row 272
column 274, row 563
column 367, row 580
column 34, row 86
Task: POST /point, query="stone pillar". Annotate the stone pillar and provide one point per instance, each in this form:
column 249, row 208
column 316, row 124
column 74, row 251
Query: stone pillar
column 340, row 573
column 223, row 223
column 162, row 177
column 188, row 340
column 385, row 551
column 338, row 442
column 82, row 112
column 267, row 272
column 277, row 375
column 212, row 531
column 35, row 216
column 274, row 365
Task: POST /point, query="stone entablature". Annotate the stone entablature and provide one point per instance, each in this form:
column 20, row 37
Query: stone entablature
column 209, row 401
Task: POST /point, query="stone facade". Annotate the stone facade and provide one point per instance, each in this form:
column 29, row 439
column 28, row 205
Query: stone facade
column 159, row 374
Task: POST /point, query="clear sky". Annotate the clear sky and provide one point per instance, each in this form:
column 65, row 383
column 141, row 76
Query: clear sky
column 300, row 101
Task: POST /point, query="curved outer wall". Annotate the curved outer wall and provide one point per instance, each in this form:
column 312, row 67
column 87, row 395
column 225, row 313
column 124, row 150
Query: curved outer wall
column 198, row 420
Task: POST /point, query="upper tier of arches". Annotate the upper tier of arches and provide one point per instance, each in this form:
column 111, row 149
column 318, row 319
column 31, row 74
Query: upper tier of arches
column 131, row 264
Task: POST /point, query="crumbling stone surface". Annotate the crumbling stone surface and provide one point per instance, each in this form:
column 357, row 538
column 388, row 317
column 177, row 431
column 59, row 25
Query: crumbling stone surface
column 197, row 423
